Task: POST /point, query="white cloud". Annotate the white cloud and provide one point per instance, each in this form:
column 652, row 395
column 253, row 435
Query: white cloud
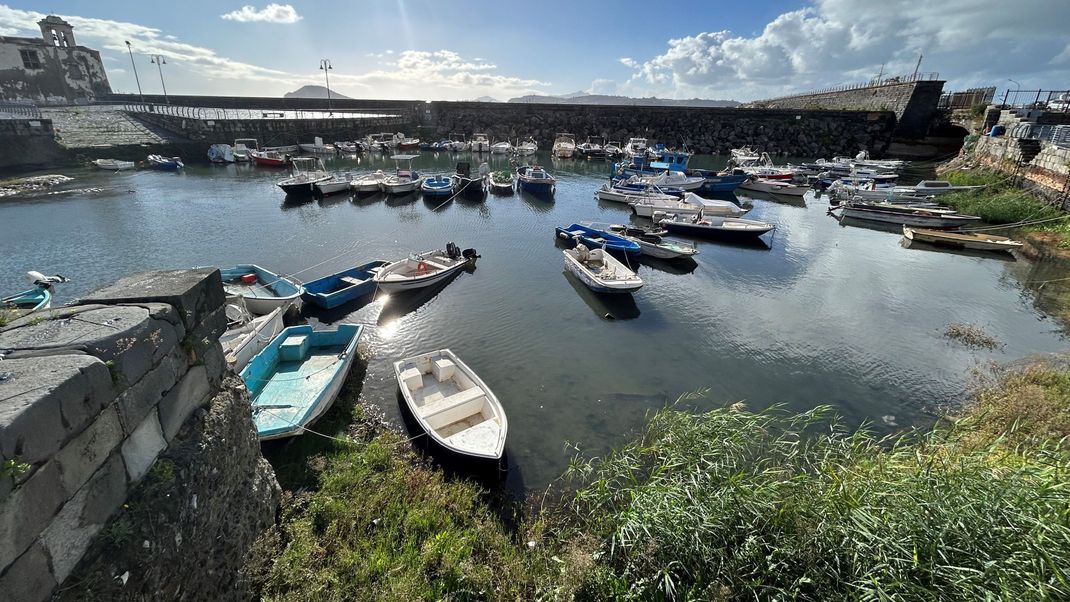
column 272, row 13
column 971, row 42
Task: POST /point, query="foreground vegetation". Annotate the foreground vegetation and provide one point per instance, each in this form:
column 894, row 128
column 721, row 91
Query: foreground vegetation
column 721, row 504
column 1002, row 203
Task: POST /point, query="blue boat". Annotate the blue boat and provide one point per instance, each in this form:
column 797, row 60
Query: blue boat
column 718, row 181
column 25, row 302
column 599, row 239
column 297, row 376
column 337, row 289
column 260, row 289
column 535, row 180
column 165, row 163
column 436, row 186
column 647, row 188
column 644, row 165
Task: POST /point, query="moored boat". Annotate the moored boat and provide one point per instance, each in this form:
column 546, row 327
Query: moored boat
column 452, row 404
column 297, row 377
column 270, row 158
column 635, row 146
column 728, row 228
column 317, row 147
column 652, row 243
column 600, row 271
column 342, row 287
column 714, row 181
column 260, row 290
column 35, row 299
column 773, row 187
column 535, row 180
column 501, row 148
column 438, row 185
column 248, row 335
column 220, row 153
column 525, row 148
column 404, row 179
column 907, row 216
column 617, row 194
column 305, row 173
column 479, row 143
column 369, row 183
column 113, row 164
column 592, row 149
column 714, row 207
column 978, row 241
column 928, row 187
column 468, row 185
column 334, row 185
column 243, row 149
column 597, row 239
column 162, row 163
column 613, row 149
column 564, row 145
column 423, row 269
column 501, row 182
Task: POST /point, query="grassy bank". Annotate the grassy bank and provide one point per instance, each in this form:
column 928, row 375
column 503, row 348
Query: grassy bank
column 725, row 504
column 1001, row 203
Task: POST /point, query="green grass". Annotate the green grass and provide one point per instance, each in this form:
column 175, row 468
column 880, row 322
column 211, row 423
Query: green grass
column 1001, row 203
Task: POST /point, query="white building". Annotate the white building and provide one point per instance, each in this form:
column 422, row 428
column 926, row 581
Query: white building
column 51, row 69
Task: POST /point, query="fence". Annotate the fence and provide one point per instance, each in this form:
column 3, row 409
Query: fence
column 19, row 110
column 878, row 81
column 1059, row 135
column 967, row 99
column 220, row 114
column 1057, row 101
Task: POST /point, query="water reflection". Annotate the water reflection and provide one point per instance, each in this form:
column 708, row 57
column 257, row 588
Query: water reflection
column 918, row 245
column 399, row 305
column 608, row 306
column 678, row 266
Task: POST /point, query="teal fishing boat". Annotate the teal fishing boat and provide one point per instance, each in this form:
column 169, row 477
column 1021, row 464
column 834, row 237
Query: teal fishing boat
column 27, row 301
column 296, row 378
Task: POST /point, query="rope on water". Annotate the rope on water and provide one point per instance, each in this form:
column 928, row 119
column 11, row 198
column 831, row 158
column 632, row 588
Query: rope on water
column 346, row 440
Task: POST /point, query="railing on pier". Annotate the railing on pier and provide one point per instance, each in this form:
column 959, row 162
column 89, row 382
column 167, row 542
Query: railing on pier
column 1059, row 135
column 221, row 114
column 1055, row 101
column 19, row 110
column 967, row 99
column 878, row 81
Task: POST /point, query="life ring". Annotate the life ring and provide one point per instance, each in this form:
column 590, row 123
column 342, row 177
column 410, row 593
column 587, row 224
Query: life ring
column 421, row 268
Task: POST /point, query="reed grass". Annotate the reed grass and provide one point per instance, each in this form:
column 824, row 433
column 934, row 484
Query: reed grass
column 999, row 203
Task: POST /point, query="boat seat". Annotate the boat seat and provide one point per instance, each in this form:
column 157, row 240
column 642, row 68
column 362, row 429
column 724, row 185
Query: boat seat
column 443, row 369
column 452, row 401
column 433, row 265
column 351, row 280
column 413, row 379
column 294, row 349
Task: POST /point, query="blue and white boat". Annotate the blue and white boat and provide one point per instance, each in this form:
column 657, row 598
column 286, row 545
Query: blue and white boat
column 37, row 298
column 296, row 378
column 598, row 239
column 436, row 186
column 535, row 180
column 260, row 289
column 646, row 187
column 165, row 163
column 718, row 181
column 337, row 289
column 643, row 165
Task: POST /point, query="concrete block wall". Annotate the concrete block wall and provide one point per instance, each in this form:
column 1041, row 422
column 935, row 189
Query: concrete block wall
column 28, row 143
column 90, row 396
column 1047, row 174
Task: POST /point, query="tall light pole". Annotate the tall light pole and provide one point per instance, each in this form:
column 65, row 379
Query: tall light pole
column 325, row 66
column 134, row 65
column 1017, row 88
column 160, row 62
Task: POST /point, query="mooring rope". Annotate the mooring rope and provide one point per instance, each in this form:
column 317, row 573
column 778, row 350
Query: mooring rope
column 347, row 440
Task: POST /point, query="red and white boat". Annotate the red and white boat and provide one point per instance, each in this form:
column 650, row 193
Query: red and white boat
column 270, row 158
column 760, row 166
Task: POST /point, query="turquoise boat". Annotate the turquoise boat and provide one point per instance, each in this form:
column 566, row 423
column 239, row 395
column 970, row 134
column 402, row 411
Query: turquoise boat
column 337, row 289
column 26, row 302
column 262, row 290
column 296, row 378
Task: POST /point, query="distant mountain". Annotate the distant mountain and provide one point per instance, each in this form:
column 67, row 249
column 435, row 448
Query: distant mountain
column 603, row 99
column 576, row 94
column 313, row 92
column 487, row 99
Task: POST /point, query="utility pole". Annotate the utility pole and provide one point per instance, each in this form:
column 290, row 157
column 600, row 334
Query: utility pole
column 918, row 66
column 880, row 75
column 325, row 65
column 159, row 60
column 134, row 65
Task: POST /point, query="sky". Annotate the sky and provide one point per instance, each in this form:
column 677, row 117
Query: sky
column 465, row 49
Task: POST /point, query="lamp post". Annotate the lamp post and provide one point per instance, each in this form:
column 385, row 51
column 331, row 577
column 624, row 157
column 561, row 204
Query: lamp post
column 325, row 66
column 134, row 65
column 160, row 62
column 1016, row 88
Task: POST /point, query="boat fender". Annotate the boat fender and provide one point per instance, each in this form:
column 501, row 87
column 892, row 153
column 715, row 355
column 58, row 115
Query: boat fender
column 562, row 235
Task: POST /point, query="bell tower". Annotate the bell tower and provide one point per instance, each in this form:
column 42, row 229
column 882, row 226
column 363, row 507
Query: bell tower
column 57, row 32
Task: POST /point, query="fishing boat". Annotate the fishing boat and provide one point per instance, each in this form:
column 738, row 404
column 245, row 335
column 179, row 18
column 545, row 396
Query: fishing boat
column 369, row 183
column 403, row 180
column 675, row 179
column 113, row 164
column 305, row 173
column 978, row 241
column 334, row 185
column 525, row 148
column 243, row 149
column 468, row 185
column 634, row 185
column 283, row 149
column 457, row 143
column 635, row 146
column 501, row 148
column 260, row 290
column 347, row 147
column 438, row 185
column 317, row 147
column 773, row 187
column 653, row 164
column 592, row 148
column 35, row 299
column 535, row 180
column 406, row 143
column 717, row 207
column 161, row 163
column 647, row 207
column 652, row 243
column 928, row 187
column 270, row 158
column 383, row 141
column 501, row 182
column 628, row 196
column 247, row 335
column 600, row 271
column 340, row 288
column 907, row 216
column 564, row 145
column 452, row 404
column 297, row 377
column 220, row 153
column 613, row 149
column 727, row 228
column 597, row 239
column 479, row 143
column 423, row 269
column 714, row 181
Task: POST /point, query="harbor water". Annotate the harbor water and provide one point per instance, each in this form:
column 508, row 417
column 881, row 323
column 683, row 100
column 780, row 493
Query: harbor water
column 824, row 313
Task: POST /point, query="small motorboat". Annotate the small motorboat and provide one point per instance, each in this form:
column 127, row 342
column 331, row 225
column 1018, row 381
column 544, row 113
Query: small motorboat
column 334, row 185
column 652, row 243
column 618, row 194
column 403, row 180
column 635, row 146
column 597, row 239
column 162, row 163
column 404, row 143
column 317, row 147
column 501, row 182
column 113, row 164
column 675, row 179
column 564, row 145
column 927, row 187
column 647, row 206
column 260, row 290
column 423, row 269
column 636, row 185
column 592, row 149
column 479, row 143
column 714, row 181
column 613, row 149
column 244, row 148
column 728, row 228
column 220, row 153
column 906, row 215
column 305, row 173
column 284, row 149
column 247, row 335
column 297, row 377
column 452, row 404
column 456, row 143
column 467, row 185
column 36, row 299
column 437, row 186
column 347, row 147
column 715, row 207
column 600, row 271
column 337, row 289
column 525, row 148
column 535, row 180
column 501, row 148
column 270, row 158
column 369, row 183
column 779, row 187
column 978, row 241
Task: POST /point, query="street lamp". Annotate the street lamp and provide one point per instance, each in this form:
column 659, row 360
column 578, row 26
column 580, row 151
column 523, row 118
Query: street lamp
column 134, row 65
column 325, row 66
column 160, row 62
column 1016, row 89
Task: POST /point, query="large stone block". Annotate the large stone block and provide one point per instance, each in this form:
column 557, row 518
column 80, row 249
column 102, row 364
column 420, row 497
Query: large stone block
column 193, row 293
column 46, row 400
column 87, row 452
column 190, row 393
column 29, row 579
column 78, row 522
column 143, row 446
column 25, row 512
column 136, row 402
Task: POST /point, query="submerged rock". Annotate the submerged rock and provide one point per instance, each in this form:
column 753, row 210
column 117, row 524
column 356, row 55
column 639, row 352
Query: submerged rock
column 31, row 184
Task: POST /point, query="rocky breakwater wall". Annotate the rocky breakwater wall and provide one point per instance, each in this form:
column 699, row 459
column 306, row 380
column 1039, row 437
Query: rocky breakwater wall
column 98, row 399
column 1041, row 167
column 800, row 133
column 29, row 143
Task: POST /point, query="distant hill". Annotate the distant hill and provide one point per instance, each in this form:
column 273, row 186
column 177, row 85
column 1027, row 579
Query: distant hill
column 603, row 99
column 487, row 99
column 313, row 92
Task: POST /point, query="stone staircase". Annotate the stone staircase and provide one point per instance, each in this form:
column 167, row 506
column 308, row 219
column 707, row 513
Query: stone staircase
column 1029, row 149
column 101, row 126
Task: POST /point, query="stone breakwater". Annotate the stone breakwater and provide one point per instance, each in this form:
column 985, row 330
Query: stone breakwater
column 91, row 396
column 705, row 130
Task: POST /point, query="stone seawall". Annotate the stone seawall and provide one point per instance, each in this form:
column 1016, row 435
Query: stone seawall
column 1047, row 174
column 28, row 143
column 90, row 396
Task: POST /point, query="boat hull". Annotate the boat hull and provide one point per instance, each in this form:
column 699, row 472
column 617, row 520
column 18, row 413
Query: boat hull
column 242, row 344
column 274, row 291
column 908, row 219
column 962, row 241
column 647, row 209
column 597, row 284
column 539, row 188
column 328, row 188
column 332, row 291
column 714, row 232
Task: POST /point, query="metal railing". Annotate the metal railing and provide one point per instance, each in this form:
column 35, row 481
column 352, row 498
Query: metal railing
column 881, row 81
column 1059, row 135
column 967, row 99
column 1057, row 101
column 220, row 114
column 19, row 110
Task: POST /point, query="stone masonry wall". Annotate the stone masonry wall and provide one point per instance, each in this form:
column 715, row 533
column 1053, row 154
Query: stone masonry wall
column 90, row 396
column 28, row 143
column 1047, row 174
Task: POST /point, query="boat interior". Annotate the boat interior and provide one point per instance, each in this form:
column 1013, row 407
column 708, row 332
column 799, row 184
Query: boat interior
column 451, row 403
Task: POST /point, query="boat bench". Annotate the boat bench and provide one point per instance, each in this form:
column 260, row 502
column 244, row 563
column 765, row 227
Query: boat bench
column 351, row 281
column 294, row 348
column 434, row 266
column 453, row 401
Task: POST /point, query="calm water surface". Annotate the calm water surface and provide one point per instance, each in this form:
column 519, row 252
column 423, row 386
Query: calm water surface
column 830, row 314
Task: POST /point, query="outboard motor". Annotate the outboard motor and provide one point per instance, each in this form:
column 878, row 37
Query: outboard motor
column 470, row 254
column 453, row 251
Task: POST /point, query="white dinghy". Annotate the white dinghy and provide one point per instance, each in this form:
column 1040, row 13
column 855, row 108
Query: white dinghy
column 600, row 271
column 452, row 404
column 423, row 269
